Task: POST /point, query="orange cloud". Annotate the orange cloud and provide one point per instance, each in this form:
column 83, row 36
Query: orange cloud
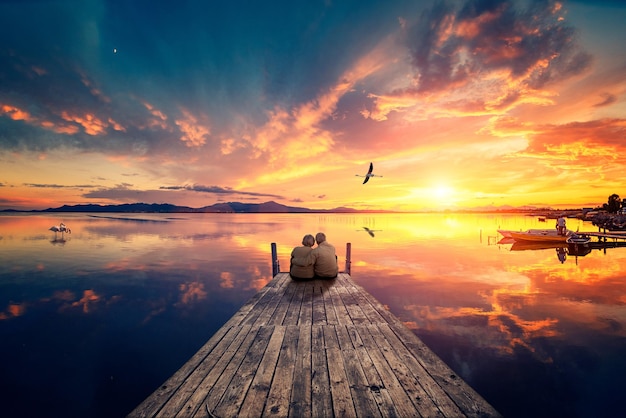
column 194, row 134
column 292, row 138
column 90, row 123
column 116, row 126
column 20, row 114
column 159, row 118
column 16, row 113
column 487, row 62
column 60, row 129
column 92, row 89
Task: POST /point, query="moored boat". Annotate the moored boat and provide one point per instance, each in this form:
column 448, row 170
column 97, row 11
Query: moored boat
column 578, row 239
column 540, row 235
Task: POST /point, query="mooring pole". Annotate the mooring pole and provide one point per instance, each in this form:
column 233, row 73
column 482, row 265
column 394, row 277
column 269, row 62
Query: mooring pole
column 275, row 264
column 348, row 257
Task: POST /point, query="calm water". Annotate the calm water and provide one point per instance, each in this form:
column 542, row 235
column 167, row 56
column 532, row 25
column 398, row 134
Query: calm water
column 91, row 323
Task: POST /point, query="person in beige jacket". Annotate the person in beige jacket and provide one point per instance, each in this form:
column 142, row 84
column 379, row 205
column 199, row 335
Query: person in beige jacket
column 304, row 271
column 324, row 258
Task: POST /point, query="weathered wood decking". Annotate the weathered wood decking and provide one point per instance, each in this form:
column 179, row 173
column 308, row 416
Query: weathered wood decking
column 313, row 349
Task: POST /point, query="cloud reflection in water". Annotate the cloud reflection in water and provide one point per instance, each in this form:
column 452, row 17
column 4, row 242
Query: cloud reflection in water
column 151, row 292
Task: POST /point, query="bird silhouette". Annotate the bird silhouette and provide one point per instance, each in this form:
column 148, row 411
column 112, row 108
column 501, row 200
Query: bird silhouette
column 370, row 173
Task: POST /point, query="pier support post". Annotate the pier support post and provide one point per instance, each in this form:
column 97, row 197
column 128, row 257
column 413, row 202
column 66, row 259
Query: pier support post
column 275, row 264
column 348, row 257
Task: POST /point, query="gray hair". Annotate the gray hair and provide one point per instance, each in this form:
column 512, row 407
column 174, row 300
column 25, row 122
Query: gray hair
column 320, row 237
column 308, row 240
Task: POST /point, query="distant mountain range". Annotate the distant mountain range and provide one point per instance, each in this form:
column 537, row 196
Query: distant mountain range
column 230, row 207
column 267, row 207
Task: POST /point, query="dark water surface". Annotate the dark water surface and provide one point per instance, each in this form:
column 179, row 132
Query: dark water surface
column 93, row 321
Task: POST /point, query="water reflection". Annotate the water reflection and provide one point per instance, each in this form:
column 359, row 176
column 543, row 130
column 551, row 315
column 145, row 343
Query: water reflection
column 129, row 298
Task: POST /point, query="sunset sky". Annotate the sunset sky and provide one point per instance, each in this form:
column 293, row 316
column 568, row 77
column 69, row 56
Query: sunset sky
column 459, row 104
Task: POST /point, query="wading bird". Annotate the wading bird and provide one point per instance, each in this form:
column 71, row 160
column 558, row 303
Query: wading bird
column 61, row 228
column 369, row 174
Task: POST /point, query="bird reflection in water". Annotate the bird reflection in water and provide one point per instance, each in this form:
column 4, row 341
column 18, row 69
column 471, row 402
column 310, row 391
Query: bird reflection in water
column 370, row 231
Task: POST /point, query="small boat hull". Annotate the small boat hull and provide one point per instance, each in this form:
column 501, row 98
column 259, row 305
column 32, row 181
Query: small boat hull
column 578, row 239
column 540, row 235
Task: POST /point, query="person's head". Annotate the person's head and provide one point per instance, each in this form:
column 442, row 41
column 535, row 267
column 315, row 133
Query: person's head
column 320, row 237
column 308, row 240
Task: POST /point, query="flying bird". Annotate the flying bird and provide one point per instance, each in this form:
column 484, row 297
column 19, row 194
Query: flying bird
column 369, row 174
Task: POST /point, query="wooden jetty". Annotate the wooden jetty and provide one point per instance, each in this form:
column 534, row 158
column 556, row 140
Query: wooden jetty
column 614, row 235
column 318, row 348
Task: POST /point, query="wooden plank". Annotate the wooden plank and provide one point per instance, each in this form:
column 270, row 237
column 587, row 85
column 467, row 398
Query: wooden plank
column 321, row 401
column 412, row 386
column 438, row 396
column 354, row 310
column 151, row 405
column 277, row 403
column 376, row 385
column 402, row 398
column 306, row 310
column 362, row 397
column 300, row 402
column 219, row 385
column 338, row 306
column 250, row 385
column 329, row 309
column 319, row 306
column 281, row 310
column 468, row 400
column 339, row 386
column 191, row 395
column 264, row 307
column 293, row 313
column 186, row 388
column 372, row 309
column 385, row 314
column 273, row 286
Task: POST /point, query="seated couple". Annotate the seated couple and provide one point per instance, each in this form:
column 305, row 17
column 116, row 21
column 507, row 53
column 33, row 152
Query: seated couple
column 313, row 263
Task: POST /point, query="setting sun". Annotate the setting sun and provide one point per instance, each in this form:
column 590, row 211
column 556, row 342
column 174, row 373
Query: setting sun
column 443, row 192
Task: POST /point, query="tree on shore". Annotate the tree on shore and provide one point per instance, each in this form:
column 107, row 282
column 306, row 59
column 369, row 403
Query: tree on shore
column 614, row 204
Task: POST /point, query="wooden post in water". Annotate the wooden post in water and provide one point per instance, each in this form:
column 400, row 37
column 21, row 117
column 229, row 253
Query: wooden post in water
column 275, row 264
column 348, row 257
